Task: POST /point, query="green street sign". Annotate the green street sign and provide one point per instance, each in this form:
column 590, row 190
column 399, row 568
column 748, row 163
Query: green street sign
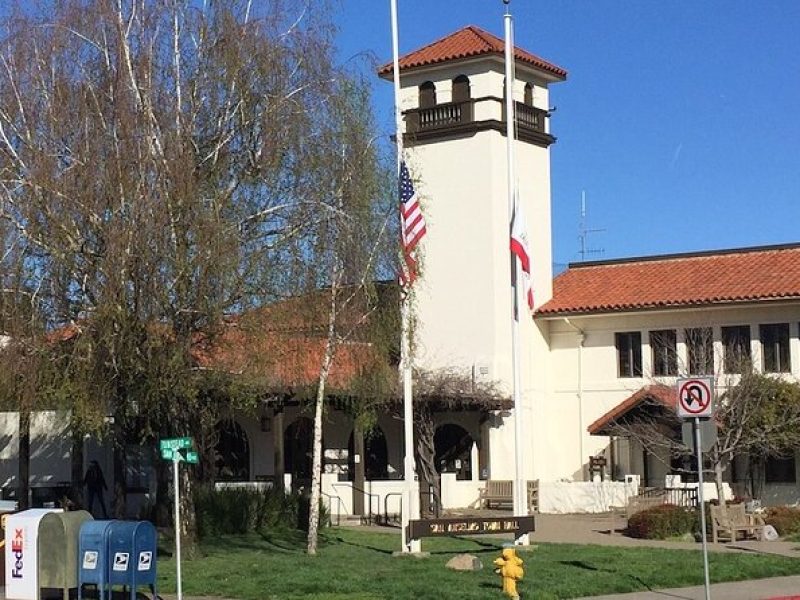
column 176, row 444
column 192, row 457
column 166, row 453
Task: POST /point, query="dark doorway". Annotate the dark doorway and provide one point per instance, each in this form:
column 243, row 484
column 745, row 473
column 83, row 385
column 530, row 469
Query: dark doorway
column 453, row 446
column 376, row 456
column 297, row 441
column 232, row 454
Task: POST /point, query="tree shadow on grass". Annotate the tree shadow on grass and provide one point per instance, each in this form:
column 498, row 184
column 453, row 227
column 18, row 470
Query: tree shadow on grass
column 579, row 564
column 484, row 547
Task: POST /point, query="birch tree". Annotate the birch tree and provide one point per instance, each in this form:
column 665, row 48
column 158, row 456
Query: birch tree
column 351, row 246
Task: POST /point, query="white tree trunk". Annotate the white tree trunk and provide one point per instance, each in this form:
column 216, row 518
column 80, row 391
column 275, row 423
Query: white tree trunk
column 316, row 463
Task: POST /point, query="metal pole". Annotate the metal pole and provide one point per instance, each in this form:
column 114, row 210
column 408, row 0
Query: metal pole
column 520, row 490
column 410, row 507
column 176, row 458
column 699, row 449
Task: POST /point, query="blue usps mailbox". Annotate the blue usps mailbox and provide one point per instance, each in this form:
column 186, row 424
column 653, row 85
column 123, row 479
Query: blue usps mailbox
column 132, row 554
column 93, row 557
column 144, row 555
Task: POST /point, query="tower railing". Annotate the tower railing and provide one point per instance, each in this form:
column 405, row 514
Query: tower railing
column 460, row 116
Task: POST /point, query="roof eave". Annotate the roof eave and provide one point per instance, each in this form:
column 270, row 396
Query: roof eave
column 626, row 310
column 555, row 75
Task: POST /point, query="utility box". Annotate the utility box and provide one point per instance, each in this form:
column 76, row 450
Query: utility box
column 58, row 550
column 132, row 555
column 21, row 560
column 93, row 557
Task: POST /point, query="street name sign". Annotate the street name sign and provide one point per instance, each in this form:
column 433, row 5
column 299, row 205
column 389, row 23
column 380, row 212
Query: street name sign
column 176, row 443
column 695, row 397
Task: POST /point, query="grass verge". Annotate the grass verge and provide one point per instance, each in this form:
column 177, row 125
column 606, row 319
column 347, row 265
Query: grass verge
column 358, row 565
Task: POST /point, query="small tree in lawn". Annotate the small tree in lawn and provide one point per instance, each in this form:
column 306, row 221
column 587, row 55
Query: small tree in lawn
column 349, row 247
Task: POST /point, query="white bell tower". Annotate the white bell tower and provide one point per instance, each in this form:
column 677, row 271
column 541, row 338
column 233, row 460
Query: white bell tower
column 452, row 98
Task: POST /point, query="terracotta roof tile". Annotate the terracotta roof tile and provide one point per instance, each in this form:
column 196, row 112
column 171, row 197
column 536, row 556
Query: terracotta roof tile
column 466, row 43
column 662, row 394
column 723, row 277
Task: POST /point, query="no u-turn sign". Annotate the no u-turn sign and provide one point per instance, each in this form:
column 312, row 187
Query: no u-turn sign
column 695, row 397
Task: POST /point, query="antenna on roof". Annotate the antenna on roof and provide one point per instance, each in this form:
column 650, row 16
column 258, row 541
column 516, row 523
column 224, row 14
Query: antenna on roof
column 584, row 231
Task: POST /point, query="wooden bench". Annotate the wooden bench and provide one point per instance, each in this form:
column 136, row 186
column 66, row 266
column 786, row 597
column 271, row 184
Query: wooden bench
column 728, row 521
column 501, row 492
column 497, row 491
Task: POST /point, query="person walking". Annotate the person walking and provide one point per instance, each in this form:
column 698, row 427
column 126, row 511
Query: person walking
column 95, row 486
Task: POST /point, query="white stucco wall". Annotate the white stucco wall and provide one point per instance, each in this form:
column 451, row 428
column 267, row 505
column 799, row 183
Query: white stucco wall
column 586, row 384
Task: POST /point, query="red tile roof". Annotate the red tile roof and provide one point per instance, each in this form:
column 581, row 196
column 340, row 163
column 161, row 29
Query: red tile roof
column 683, row 280
column 661, row 394
column 466, row 43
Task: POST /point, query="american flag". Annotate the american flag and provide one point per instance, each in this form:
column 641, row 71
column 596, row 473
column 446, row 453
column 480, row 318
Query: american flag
column 412, row 225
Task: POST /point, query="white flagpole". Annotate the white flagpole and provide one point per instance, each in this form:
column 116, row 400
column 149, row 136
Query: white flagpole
column 410, row 509
column 520, row 488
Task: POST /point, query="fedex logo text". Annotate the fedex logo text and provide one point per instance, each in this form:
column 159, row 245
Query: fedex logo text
column 16, row 551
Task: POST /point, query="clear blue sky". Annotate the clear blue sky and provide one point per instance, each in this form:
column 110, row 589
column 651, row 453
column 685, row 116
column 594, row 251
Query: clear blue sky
column 680, row 119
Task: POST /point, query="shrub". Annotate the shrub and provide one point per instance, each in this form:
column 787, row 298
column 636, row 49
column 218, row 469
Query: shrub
column 785, row 519
column 235, row 510
column 661, row 522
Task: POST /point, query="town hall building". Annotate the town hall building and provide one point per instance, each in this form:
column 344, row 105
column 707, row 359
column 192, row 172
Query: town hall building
column 604, row 336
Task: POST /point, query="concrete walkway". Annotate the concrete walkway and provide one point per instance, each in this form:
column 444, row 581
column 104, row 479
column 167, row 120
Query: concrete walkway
column 604, row 530
column 775, row 588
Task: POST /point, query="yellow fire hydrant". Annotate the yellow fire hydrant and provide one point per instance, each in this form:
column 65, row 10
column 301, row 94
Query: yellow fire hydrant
column 509, row 567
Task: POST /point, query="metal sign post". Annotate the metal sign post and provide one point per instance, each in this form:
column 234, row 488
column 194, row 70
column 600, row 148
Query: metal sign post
column 700, row 499
column 176, row 458
column 177, row 450
column 695, row 401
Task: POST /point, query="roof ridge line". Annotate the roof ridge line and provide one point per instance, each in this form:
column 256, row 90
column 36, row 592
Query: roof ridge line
column 482, row 33
column 683, row 255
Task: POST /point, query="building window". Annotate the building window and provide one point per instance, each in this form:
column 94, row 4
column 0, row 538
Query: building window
column 736, row 345
column 700, row 350
column 629, row 353
column 528, row 97
column 664, row 345
column 427, row 95
column 775, row 347
column 780, row 470
column 461, row 89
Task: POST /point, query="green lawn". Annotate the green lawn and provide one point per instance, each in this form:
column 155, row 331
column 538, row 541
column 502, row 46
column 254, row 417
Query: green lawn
column 353, row 564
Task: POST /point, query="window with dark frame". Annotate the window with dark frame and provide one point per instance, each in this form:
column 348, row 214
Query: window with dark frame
column 629, row 353
column 664, row 346
column 780, row 470
column 736, row 348
column 775, row 347
column 427, row 95
column 461, row 91
column 700, row 350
